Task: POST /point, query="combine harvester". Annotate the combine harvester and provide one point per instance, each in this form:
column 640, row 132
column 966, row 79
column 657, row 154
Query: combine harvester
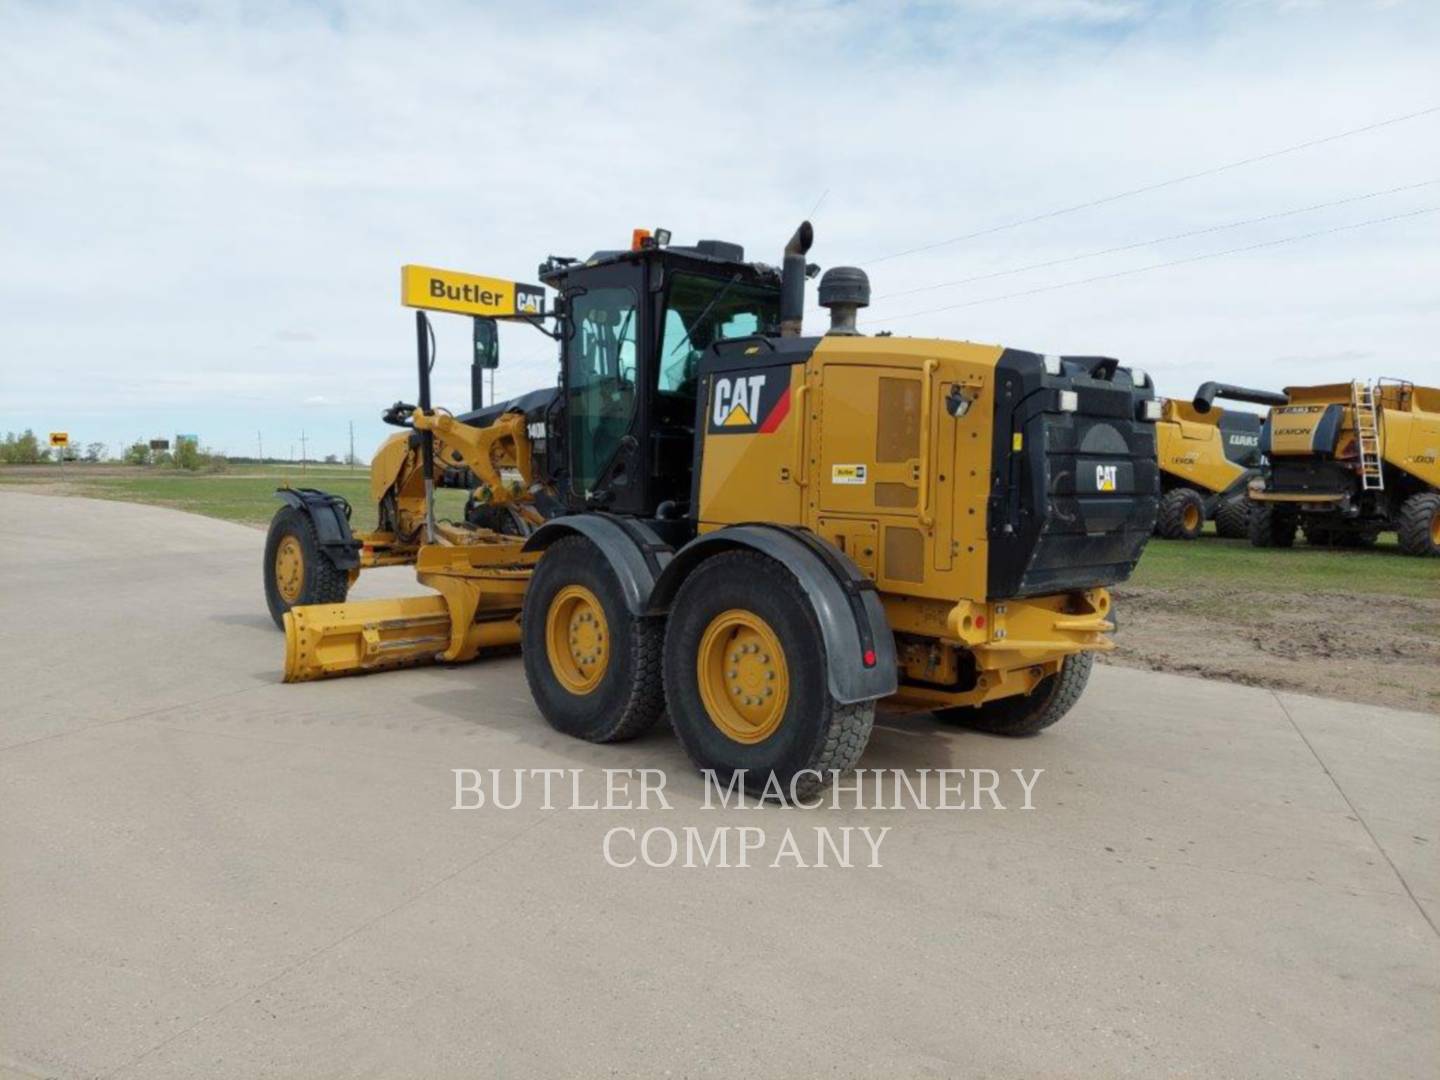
column 759, row 533
column 1348, row 461
column 1208, row 457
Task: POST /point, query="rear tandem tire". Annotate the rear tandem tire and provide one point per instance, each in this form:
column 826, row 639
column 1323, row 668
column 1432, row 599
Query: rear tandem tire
column 292, row 553
column 1027, row 714
column 1182, row 515
column 1232, row 519
column 608, row 687
column 1419, row 525
column 1271, row 526
column 730, row 614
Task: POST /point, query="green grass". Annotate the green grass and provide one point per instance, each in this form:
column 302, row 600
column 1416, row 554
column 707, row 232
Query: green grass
column 1211, row 561
column 245, row 495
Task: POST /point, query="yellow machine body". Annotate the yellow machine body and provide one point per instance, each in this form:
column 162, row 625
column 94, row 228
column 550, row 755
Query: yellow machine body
column 859, row 456
column 1191, row 448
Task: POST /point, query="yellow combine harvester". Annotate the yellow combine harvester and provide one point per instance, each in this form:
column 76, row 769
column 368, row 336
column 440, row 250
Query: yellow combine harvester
column 1208, row 457
column 759, row 533
column 1348, row 460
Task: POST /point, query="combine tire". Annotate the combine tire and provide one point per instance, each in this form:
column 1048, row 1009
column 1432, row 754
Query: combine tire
column 1182, row 515
column 1026, row 714
column 1271, row 526
column 593, row 668
column 1419, row 525
column 745, row 678
column 296, row 570
column 1232, row 519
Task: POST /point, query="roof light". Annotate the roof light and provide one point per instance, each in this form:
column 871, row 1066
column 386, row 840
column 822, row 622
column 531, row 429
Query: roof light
column 1052, row 365
column 1150, row 410
column 639, row 238
column 1139, row 376
column 1069, row 401
column 662, row 237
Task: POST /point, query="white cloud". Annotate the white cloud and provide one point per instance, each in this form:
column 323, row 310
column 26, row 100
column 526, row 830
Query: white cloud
column 204, row 209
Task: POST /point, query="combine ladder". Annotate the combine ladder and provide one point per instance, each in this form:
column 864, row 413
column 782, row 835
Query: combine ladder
column 1367, row 436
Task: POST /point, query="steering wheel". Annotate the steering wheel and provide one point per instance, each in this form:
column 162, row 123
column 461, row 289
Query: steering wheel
column 399, row 415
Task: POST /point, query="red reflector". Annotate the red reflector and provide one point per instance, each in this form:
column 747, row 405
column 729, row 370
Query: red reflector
column 979, row 622
column 869, row 657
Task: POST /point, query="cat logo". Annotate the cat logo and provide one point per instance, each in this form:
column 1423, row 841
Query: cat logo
column 737, row 401
column 749, row 402
column 1105, row 477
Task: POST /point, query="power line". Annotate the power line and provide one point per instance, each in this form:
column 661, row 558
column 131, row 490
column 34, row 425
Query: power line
column 1157, row 186
column 1159, row 240
column 1163, row 265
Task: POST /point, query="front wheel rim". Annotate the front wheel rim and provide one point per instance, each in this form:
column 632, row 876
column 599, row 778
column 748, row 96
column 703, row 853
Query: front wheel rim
column 1191, row 519
column 743, row 676
column 290, row 569
column 577, row 639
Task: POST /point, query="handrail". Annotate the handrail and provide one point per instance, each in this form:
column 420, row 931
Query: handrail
column 927, row 393
column 797, row 408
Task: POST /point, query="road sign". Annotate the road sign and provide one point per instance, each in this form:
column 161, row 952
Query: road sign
column 159, row 444
column 59, row 438
column 468, row 294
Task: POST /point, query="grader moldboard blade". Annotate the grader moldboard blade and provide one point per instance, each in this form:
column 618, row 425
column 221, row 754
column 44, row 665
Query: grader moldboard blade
column 481, row 588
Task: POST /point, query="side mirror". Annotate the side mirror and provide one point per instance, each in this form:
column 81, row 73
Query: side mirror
column 486, row 357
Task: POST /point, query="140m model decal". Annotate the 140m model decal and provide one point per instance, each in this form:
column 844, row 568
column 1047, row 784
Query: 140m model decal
column 748, row 402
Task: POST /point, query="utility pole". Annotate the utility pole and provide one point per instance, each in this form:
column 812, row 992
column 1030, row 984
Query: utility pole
column 302, row 452
column 351, row 459
column 260, row 447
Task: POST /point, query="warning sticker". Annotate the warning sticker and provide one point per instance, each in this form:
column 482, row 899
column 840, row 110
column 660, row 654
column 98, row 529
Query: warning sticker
column 847, row 474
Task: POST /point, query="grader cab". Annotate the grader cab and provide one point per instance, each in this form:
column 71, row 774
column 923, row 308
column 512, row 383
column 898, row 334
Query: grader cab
column 759, row 533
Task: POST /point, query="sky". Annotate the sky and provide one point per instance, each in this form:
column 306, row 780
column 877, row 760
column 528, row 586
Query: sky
column 204, row 208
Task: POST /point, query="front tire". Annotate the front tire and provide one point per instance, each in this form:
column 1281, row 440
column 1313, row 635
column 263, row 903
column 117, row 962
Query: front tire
column 1182, row 515
column 1271, row 526
column 296, row 571
column 1419, row 525
column 745, row 677
column 1027, row 714
column 593, row 668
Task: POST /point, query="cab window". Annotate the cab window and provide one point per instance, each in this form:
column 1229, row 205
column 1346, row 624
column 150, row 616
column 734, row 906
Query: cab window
column 700, row 311
column 600, row 366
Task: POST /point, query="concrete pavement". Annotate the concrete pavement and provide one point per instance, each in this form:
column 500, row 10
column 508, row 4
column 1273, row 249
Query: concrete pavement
column 204, row 872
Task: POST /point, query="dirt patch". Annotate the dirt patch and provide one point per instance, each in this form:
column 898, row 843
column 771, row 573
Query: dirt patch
column 1376, row 649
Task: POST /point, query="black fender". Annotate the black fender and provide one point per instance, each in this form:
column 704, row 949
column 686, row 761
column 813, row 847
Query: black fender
column 634, row 552
column 330, row 514
column 846, row 604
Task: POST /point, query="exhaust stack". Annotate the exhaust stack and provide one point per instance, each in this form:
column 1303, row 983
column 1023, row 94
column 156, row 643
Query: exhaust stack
column 792, row 281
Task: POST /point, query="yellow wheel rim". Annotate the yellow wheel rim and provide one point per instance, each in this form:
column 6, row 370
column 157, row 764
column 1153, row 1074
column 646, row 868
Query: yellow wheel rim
column 1192, row 518
column 577, row 639
column 1435, row 528
column 744, row 681
column 290, row 569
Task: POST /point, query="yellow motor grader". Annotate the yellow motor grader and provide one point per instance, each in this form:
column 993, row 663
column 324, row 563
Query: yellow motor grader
column 1346, row 461
column 759, row 533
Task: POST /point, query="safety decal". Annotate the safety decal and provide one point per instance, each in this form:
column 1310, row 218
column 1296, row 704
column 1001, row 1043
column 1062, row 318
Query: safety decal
column 847, row 474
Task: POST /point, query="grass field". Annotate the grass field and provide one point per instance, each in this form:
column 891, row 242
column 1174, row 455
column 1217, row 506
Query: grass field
column 243, row 494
